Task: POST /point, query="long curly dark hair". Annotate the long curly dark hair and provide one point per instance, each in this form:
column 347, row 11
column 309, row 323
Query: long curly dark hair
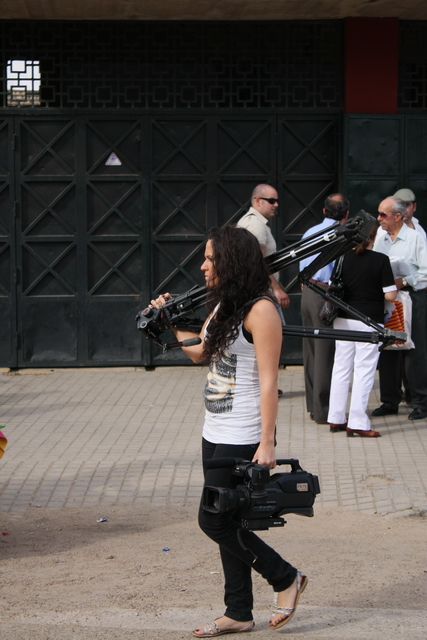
column 242, row 276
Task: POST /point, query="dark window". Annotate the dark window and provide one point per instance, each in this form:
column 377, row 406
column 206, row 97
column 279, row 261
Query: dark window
column 177, row 64
column 412, row 65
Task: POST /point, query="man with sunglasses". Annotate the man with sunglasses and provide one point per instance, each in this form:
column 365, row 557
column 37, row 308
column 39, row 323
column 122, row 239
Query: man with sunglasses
column 402, row 242
column 318, row 355
column 408, row 197
column 264, row 204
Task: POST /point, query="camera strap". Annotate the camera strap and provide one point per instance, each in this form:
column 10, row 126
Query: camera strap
column 246, row 333
column 244, row 547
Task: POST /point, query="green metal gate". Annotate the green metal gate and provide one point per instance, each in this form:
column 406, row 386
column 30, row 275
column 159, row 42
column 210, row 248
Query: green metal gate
column 383, row 153
column 99, row 213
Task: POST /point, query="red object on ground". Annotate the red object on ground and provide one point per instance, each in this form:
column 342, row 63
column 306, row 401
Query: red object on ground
column 3, row 443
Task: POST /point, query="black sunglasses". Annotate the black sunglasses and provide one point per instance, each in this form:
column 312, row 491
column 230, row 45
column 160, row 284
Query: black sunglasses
column 269, row 200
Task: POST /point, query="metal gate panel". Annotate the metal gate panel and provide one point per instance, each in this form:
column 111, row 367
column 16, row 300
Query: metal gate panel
column 181, row 211
column 82, row 228
column 384, row 153
column 46, row 242
column 113, row 210
column 204, row 170
column 180, row 201
column 308, row 172
column 309, row 163
column 7, row 253
column 117, row 268
column 373, row 159
column 415, row 169
column 245, row 156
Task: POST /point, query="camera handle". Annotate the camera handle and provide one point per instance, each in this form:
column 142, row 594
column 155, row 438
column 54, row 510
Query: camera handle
column 226, row 463
column 293, row 462
column 189, row 342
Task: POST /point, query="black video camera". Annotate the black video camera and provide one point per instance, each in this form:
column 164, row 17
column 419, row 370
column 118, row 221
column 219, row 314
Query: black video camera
column 262, row 498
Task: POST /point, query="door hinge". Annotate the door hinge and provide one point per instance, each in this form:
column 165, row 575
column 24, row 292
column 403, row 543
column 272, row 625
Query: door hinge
column 15, row 209
column 17, row 340
column 16, row 276
column 14, row 141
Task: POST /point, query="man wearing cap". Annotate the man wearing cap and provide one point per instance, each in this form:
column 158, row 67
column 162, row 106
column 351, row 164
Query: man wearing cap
column 401, row 242
column 318, row 354
column 409, row 199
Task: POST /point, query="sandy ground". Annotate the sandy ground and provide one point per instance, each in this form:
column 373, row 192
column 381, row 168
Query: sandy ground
column 64, row 575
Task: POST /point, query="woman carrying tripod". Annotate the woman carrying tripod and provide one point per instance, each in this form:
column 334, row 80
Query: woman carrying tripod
column 241, row 339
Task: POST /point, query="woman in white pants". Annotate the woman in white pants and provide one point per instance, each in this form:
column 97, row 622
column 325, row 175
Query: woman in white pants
column 368, row 279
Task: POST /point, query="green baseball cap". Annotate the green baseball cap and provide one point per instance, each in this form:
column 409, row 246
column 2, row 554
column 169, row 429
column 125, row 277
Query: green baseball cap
column 406, row 195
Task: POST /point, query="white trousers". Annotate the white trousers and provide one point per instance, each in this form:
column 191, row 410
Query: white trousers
column 360, row 359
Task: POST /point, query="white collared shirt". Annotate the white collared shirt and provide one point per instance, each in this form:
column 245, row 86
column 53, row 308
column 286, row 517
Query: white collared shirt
column 418, row 228
column 409, row 247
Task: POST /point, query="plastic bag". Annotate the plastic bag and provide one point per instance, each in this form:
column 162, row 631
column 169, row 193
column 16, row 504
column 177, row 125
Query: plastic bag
column 399, row 318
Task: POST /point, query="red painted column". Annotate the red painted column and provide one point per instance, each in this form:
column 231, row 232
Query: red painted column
column 371, row 65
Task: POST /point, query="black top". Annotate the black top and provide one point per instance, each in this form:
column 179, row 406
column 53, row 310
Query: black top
column 364, row 277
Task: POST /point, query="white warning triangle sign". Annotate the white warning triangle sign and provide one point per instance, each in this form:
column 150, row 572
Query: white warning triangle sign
column 112, row 161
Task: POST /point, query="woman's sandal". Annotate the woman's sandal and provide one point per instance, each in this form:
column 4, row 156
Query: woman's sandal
column 211, row 629
column 288, row 611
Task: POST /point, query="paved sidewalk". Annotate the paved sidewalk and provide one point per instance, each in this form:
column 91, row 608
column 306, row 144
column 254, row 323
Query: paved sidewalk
column 129, row 436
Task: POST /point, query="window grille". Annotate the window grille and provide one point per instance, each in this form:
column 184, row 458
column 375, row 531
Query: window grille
column 412, row 65
column 174, row 64
column 23, row 83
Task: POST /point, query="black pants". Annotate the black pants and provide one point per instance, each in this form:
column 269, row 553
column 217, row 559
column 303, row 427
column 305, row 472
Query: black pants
column 223, row 529
column 414, row 361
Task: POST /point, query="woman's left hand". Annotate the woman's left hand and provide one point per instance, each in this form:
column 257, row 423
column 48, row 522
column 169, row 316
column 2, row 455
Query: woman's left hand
column 265, row 455
column 160, row 301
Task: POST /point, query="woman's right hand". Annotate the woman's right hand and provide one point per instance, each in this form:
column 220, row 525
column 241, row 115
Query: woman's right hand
column 195, row 352
column 160, row 301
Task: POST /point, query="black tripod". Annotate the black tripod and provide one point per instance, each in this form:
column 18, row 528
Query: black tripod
column 329, row 244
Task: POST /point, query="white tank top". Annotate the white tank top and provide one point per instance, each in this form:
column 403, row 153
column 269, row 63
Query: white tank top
column 232, row 396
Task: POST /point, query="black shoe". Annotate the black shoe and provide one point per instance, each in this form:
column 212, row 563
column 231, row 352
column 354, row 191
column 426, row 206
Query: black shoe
column 279, row 393
column 405, row 396
column 384, row 410
column 418, row 414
